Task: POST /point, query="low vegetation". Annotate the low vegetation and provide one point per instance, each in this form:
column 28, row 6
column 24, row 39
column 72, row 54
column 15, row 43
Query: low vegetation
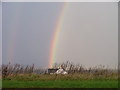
column 28, row 76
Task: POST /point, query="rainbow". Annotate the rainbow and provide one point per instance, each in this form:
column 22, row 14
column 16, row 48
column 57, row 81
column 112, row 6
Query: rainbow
column 55, row 37
column 13, row 35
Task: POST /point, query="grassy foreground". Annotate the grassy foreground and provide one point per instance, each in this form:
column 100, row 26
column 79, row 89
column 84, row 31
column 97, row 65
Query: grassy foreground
column 61, row 84
column 60, row 81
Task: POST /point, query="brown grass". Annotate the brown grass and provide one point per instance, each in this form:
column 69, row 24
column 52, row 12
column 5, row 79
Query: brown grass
column 29, row 72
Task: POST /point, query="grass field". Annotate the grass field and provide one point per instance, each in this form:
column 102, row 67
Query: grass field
column 60, row 81
column 61, row 84
column 17, row 76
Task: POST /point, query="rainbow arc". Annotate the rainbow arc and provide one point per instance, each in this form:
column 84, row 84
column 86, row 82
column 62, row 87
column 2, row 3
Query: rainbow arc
column 55, row 38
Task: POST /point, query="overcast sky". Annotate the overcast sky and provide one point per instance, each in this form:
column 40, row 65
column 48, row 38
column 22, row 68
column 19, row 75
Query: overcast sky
column 89, row 34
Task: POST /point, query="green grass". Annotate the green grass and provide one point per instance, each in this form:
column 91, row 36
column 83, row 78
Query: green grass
column 60, row 81
column 61, row 84
column 24, row 77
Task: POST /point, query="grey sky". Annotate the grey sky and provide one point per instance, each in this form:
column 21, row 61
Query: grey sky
column 88, row 35
column 91, row 36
